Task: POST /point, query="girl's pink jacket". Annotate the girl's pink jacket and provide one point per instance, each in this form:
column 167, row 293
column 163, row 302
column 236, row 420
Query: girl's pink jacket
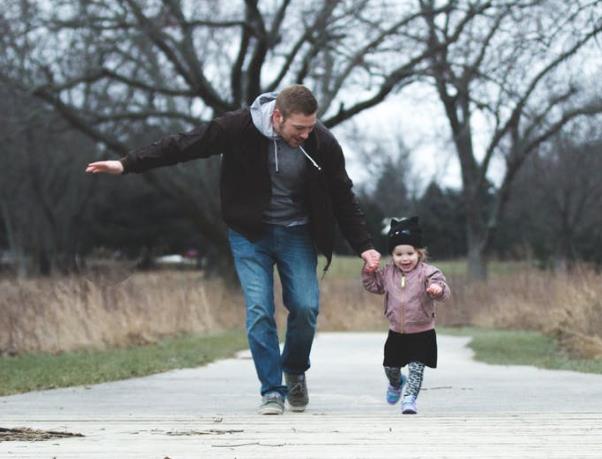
column 409, row 308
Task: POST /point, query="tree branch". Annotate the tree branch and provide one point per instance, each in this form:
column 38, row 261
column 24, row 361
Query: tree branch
column 142, row 115
column 319, row 24
column 199, row 86
column 147, row 87
column 519, row 107
column 590, row 109
column 359, row 56
column 253, row 73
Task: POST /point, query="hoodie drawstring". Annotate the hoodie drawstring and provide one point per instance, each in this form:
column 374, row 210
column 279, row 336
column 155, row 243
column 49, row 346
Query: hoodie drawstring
column 300, row 148
column 310, row 158
column 275, row 152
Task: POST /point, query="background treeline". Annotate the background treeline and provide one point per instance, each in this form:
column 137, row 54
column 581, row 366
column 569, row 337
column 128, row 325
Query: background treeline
column 553, row 216
column 513, row 82
column 54, row 217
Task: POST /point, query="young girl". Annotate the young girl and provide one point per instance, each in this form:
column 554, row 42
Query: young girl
column 410, row 287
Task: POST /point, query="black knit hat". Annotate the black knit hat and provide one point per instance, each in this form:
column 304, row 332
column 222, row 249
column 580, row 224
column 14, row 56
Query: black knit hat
column 405, row 231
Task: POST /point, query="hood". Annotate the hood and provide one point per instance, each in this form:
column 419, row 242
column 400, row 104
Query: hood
column 261, row 113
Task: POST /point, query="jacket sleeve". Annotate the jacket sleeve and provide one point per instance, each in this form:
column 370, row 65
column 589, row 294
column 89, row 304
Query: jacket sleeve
column 435, row 276
column 346, row 209
column 201, row 142
column 374, row 281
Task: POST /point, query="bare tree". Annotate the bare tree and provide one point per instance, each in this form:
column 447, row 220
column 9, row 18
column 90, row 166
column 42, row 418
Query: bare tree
column 42, row 207
column 387, row 162
column 123, row 70
column 563, row 204
column 514, row 67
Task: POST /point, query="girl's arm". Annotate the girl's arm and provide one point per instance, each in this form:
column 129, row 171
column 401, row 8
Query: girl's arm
column 436, row 277
column 374, row 281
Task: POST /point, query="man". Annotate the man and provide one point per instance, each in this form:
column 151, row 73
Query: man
column 283, row 186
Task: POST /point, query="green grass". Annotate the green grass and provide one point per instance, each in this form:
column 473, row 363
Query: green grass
column 511, row 347
column 43, row 371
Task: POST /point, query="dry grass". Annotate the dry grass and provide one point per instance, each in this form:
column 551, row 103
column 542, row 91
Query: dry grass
column 63, row 314
column 566, row 306
column 54, row 315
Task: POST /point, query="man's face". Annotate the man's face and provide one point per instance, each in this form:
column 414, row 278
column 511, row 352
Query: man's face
column 294, row 129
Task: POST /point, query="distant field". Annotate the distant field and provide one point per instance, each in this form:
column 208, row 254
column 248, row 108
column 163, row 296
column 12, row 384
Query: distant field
column 565, row 307
column 62, row 331
column 349, row 266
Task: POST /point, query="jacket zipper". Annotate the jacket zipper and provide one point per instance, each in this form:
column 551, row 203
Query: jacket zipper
column 403, row 286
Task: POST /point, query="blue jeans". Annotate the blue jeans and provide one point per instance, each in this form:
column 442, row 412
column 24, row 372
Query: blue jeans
column 292, row 250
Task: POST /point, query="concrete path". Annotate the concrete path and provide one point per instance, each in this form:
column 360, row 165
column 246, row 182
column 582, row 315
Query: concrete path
column 466, row 409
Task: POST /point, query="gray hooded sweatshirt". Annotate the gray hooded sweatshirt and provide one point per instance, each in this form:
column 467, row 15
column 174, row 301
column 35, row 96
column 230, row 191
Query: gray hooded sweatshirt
column 287, row 167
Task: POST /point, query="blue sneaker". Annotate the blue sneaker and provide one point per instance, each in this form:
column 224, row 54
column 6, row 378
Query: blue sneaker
column 394, row 393
column 408, row 406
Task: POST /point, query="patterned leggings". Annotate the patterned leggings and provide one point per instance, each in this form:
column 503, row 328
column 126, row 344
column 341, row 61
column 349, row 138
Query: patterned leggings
column 414, row 382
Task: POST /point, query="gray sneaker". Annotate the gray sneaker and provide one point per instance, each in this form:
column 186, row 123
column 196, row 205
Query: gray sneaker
column 271, row 403
column 297, row 392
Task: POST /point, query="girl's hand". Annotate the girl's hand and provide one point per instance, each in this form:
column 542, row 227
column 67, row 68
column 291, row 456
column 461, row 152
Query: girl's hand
column 367, row 269
column 434, row 290
column 371, row 260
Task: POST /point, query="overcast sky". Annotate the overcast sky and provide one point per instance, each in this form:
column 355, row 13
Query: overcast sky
column 417, row 117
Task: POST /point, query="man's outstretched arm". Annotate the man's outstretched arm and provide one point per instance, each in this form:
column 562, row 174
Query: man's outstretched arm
column 201, row 142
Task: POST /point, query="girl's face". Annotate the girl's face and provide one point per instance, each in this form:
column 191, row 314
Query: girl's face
column 405, row 257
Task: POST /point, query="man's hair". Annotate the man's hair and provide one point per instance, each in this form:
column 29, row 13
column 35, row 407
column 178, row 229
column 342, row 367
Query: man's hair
column 296, row 99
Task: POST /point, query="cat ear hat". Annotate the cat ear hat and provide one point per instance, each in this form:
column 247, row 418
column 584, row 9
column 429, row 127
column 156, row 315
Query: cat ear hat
column 405, row 231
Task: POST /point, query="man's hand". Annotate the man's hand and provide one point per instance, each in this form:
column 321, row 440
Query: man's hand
column 371, row 260
column 434, row 290
column 106, row 167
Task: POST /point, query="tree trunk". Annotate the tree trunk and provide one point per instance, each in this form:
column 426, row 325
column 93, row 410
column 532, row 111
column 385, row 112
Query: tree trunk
column 477, row 263
column 43, row 262
column 477, row 244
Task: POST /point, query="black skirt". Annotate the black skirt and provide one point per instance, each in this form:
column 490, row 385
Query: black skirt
column 403, row 348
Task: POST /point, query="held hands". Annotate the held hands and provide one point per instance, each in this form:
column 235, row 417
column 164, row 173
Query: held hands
column 434, row 290
column 106, row 167
column 371, row 260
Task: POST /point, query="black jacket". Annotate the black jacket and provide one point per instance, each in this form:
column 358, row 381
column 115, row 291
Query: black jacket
column 245, row 179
